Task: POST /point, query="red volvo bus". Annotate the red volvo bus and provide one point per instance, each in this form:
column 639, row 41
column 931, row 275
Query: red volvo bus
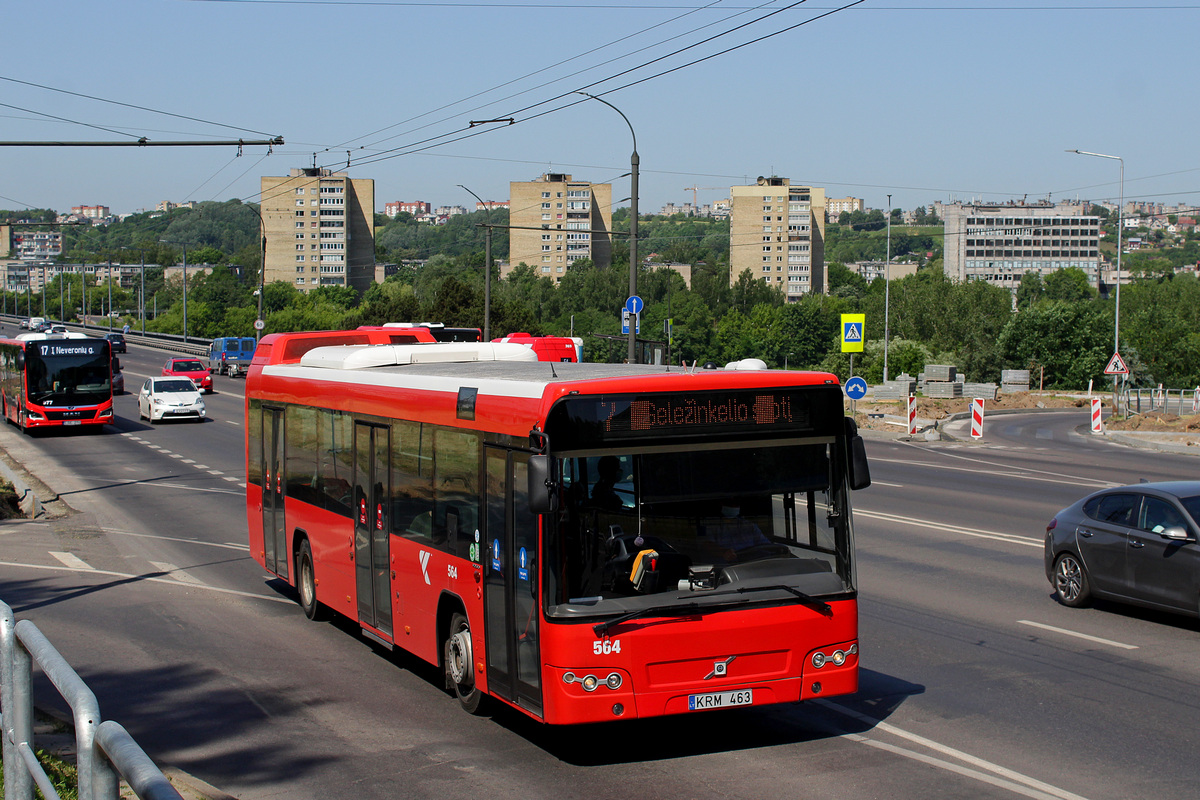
column 584, row 542
column 51, row 381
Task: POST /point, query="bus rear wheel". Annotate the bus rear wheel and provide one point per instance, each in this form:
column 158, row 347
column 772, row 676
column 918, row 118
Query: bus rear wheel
column 306, row 582
column 460, row 671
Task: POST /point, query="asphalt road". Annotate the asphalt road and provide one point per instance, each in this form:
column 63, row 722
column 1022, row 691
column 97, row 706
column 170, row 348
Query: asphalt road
column 975, row 682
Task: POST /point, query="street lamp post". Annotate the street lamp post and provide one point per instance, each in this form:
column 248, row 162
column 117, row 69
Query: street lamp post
column 1120, row 226
column 487, row 266
column 887, row 289
column 184, row 246
column 634, row 163
column 110, row 310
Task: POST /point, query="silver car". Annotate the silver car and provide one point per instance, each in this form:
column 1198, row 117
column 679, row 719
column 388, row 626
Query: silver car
column 1134, row 544
column 170, row 398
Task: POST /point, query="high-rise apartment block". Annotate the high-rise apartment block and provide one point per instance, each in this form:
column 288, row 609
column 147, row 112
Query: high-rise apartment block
column 1000, row 242
column 556, row 221
column 320, row 229
column 777, row 231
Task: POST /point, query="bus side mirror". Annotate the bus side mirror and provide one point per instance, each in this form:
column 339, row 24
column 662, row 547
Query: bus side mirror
column 542, row 495
column 116, row 365
column 20, row 359
column 860, row 470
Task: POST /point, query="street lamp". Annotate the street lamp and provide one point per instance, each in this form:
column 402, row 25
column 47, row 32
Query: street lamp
column 634, row 162
column 1120, row 225
column 487, row 266
column 184, row 245
column 887, row 288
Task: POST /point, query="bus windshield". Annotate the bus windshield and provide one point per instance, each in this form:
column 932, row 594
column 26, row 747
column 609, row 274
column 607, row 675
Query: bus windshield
column 642, row 528
column 69, row 378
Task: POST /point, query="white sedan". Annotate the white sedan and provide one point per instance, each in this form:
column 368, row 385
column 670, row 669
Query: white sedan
column 170, row 398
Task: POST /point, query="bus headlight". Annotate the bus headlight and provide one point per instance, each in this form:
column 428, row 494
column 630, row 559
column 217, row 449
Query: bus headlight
column 818, row 659
column 837, row 657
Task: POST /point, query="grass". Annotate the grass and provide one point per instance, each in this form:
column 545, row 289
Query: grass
column 8, row 502
column 62, row 774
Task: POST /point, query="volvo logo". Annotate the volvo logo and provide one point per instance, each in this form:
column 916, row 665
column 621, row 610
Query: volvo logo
column 720, row 668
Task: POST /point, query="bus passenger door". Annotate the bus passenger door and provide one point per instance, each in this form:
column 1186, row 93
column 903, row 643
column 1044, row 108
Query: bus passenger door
column 511, row 588
column 372, row 444
column 274, row 527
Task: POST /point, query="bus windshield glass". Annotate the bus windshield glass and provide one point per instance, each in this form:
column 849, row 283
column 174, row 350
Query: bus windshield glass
column 68, row 373
column 645, row 528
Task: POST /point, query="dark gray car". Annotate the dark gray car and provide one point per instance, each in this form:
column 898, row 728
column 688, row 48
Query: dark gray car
column 1136, row 544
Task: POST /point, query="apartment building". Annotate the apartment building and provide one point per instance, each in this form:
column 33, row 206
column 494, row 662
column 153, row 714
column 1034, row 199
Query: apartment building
column 556, row 221
column 36, row 245
column 777, row 231
column 320, row 229
column 835, row 206
column 1000, row 242
column 416, row 208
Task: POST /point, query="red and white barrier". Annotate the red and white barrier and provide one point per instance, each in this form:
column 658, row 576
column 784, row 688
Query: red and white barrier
column 1097, row 425
column 1196, row 400
column 912, row 415
column 977, row 418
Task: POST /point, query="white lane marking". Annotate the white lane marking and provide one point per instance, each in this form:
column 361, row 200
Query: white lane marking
column 174, row 455
column 150, row 579
column 1078, row 635
column 1007, row 778
column 937, row 526
column 71, row 560
column 159, row 484
column 201, row 466
column 232, row 478
column 232, row 422
column 175, row 572
column 893, row 485
column 215, row 472
column 1030, row 473
column 228, row 545
column 189, row 461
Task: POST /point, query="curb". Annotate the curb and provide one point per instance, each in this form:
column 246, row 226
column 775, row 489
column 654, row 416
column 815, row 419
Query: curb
column 31, row 505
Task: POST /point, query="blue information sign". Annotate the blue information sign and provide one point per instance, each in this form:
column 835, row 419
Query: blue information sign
column 856, row 388
column 634, row 305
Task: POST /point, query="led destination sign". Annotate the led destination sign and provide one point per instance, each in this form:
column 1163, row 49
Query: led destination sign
column 76, row 348
column 587, row 421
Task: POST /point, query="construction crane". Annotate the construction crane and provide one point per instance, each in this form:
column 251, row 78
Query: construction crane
column 695, row 189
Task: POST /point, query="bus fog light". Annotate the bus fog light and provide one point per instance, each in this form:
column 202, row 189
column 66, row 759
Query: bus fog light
column 839, row 658
column 818, row 659
column 569, row 677
column 618, row 709
column 614, row 680
column 816, row 688
column 590, row 683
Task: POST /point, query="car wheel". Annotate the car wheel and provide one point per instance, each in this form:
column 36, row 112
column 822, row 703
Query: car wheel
column 1071, row 585
column 306, row 583
column 459, row 662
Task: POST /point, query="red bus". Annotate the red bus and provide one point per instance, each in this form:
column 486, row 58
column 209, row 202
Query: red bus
column 583, row 542
column 48, row 381
column 548, row 348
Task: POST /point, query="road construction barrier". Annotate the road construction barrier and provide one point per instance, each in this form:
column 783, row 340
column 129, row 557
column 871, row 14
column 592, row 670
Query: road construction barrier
column 977, row 418
column 1097, row 425
column 912, row 415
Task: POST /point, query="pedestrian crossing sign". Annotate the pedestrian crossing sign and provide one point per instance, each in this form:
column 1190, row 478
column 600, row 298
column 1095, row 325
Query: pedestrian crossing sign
column 852, row 332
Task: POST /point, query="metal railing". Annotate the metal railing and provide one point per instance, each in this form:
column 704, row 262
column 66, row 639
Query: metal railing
column 1167, row 401
column 103, row 749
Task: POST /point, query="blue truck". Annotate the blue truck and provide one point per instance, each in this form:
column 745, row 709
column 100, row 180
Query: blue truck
column 231, row 355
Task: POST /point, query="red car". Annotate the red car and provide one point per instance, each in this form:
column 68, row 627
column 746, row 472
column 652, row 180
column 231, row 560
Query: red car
column 190, row 368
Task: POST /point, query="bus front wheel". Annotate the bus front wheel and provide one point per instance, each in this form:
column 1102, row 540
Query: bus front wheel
column 306, row 582
column 460, row 672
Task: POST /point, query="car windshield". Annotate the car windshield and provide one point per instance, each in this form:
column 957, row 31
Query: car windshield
column 181, row 385
column 187, row 366
column 641, row 529
column 1192, row 505
column 115, row 337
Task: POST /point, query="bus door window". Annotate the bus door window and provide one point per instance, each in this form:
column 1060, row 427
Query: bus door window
column 371, row 555
column 511, row 587
column 274, row 528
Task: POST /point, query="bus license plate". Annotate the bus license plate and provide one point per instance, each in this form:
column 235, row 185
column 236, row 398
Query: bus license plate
column 72, row 422
column 701, row 702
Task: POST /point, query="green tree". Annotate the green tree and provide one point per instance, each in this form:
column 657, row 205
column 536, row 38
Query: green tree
column 1068, row 284
column 1071, row 341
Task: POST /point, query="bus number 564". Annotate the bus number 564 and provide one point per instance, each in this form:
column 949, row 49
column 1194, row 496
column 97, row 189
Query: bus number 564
column 607, row 646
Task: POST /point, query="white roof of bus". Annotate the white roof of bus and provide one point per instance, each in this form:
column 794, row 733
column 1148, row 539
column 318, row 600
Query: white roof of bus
column 390, row 355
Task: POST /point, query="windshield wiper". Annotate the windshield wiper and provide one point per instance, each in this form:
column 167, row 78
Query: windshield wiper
column 807, row 599
column 657, row 611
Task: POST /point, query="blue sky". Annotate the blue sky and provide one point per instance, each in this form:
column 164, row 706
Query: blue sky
column 926, row 100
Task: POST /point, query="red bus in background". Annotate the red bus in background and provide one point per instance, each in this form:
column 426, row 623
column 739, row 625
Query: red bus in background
column 589, row 543
column 548, row 348
column 52, row 381
column 440, row 332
